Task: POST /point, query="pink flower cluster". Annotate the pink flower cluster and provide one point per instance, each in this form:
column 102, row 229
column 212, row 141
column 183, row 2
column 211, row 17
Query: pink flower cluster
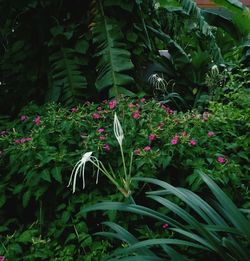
column 221, row 160
column 167, row 108
column 24, row 117
column 152, row 137
column 3, row 133
column 147, row 148
column 193, row 142
column 106, row 147
column 165, row 226
column 96, row 116
column 101, row 130
column 23, row 140
column 74, row 109
column 210, row 134
column 37, row 120
column 175, row 140
column 136, row 115
column 137, row 152
column 112, row 104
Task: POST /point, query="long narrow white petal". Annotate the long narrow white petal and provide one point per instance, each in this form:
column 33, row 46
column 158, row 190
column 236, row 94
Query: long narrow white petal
column 118, row 131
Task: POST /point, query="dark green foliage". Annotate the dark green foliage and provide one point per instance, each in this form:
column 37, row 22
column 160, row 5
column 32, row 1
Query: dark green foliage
column 218, row 230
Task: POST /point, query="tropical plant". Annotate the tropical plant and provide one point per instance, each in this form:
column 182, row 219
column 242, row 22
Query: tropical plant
column 216, row 229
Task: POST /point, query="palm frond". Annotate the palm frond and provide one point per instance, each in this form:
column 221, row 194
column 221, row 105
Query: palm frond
column 67, row 80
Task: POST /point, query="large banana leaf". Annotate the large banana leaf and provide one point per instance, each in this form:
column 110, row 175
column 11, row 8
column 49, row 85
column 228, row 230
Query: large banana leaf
column 114, row 60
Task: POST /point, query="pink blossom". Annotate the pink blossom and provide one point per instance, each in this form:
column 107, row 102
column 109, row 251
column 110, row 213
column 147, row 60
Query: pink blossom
column 131, row 105
column 211, row 133
column 24, row 118
column 99, row 108
column 74, row 109
column 174, row 141
column 3, row 133
column 106, row 147
column 23, row 140
column 205, row 115
column 96, row 116
column 102, row 138
column 2, row 258
column 147, row 148
column 137, row 152
column 143, row 100
column 105, row 101
column 138, row 105
column 112, row 104
column 101, row 130
column 136, row 115
column 221, row 160
column 167, row 109
column 151, row 137
column 37, row 120
column 193, row 142
column 165, row 226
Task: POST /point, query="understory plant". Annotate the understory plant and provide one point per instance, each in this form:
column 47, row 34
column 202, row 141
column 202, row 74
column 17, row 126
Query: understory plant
column 215, row 228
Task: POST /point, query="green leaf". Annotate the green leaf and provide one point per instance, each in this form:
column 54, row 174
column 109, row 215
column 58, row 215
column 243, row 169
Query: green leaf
column 56, row 174
column 45, row 175
column 26, row 198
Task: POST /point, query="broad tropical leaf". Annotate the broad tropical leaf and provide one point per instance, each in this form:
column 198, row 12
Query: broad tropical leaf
column 114, row 61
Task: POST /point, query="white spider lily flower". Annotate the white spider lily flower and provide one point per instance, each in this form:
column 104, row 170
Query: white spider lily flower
column 80, row 168
column 118, row 130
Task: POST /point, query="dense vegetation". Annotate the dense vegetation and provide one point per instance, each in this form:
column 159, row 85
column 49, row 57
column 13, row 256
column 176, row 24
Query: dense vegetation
column 114, row 100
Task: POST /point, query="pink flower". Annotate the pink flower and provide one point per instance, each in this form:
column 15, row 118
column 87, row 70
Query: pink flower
column 193, row 142
column 138, row 105
column 106, row 147
column 174, row 141
column 23, row 140
column 151, row 137
column 37, row 120
column 205, row 115
column 2, row 258
column 136, row 115
column 211, row 133
column 24, row 118
column 101, row 130
column 74, row 109
column 112, row 104
column 131, row 105
column 96, row 116
column 147, row 148
column 165, row 226
column 102, row 138
column 99, row 108
column 143, row 100
column 221, row 160
column 3, row 133
column 137, row 152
